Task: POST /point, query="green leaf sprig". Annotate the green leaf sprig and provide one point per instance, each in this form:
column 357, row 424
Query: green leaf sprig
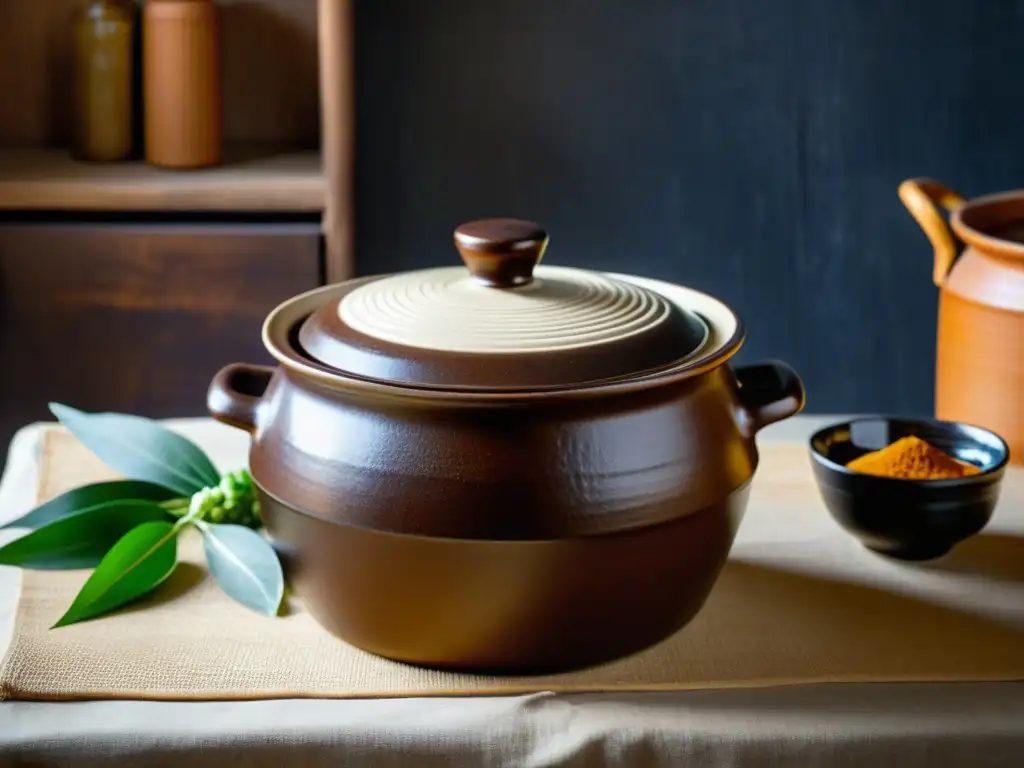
column 127, row 530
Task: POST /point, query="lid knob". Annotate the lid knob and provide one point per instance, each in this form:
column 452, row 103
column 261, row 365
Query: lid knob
column 501, row 253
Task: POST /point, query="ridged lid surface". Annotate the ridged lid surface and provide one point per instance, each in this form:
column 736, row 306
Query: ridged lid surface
column 502, row 321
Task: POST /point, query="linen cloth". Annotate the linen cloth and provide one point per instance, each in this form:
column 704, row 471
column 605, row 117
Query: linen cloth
column 960, row 724
column 801, row 603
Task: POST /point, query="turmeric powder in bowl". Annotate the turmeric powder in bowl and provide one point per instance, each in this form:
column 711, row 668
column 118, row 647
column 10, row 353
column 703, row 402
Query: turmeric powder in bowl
column 912, row 458
column 911, row 500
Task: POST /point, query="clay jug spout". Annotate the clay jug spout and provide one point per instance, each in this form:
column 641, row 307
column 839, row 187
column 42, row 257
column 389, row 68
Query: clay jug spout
column 923, row 198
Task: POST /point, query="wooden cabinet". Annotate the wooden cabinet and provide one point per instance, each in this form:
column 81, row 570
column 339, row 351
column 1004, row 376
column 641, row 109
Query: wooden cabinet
column 288, row 100
column 137, row 318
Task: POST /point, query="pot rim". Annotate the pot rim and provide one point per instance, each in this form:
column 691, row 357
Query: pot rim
column 980, row 239
column 280, row 338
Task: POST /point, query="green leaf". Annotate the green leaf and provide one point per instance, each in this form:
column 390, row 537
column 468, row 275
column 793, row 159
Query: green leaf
column 86, row 496
column 136, row 565
column 79, row 540
column 245, row 566
column 141, row 449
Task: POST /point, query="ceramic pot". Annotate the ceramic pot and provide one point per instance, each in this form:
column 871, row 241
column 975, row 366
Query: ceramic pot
column 506, row 466
column 979, row 270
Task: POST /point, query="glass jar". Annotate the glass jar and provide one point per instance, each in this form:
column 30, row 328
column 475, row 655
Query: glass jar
column 103, row 65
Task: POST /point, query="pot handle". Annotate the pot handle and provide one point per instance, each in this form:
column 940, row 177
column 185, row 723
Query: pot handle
column 768, row 392
column 235, row 394
column 922, row 197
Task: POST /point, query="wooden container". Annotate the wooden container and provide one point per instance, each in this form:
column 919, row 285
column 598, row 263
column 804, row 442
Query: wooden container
column 979, row 270
column 182, row 83
column 103, row 82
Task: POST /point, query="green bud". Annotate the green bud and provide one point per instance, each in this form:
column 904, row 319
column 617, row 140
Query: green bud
column 232, row 500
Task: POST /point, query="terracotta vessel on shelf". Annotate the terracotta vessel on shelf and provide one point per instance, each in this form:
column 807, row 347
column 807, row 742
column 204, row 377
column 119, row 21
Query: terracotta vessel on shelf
column 182, row 83
column 505, row 466
column 979, row 270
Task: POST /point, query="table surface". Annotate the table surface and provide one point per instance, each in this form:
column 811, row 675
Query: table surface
column 969, row 724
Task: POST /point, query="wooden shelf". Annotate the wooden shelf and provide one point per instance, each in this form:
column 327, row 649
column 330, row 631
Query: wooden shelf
column 49, row 179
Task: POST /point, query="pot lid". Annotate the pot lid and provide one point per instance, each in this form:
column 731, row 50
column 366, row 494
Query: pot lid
column 500, row 322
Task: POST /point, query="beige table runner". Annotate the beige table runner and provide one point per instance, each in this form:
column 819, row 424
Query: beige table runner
column 799, row 602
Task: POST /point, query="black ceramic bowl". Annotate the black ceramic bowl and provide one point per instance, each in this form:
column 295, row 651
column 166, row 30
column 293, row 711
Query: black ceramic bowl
column 908, row 519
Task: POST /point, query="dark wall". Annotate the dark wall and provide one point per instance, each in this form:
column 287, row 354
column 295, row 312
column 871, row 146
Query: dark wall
column 747, row 148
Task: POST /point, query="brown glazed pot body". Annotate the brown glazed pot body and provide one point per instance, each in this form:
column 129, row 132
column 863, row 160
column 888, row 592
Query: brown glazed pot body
column 505, row 607
column 515, row 531
column 504, row 538
column 979, row 270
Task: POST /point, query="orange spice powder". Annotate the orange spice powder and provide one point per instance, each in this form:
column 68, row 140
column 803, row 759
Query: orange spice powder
column 912, row 458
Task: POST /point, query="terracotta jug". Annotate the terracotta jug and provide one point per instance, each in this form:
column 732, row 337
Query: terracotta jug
column 979, row 270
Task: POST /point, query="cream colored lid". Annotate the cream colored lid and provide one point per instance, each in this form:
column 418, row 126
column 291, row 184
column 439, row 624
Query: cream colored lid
column 505, row 322
column 447, row 310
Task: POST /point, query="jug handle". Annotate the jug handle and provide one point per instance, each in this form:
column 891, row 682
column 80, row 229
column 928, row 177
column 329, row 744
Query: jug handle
column 922, row 197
